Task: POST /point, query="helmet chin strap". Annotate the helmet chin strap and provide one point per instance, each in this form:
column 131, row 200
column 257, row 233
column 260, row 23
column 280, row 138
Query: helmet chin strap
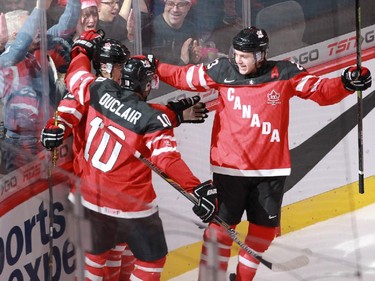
column 259, row 57
column 107, row 67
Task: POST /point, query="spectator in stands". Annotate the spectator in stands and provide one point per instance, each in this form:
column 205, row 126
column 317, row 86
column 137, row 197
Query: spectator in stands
column 11, row 5
column 23, row 29
column 113, row 24
column 171, row 37
column 55, row 11
column 22, row 80
column 144, row 8
column 230, row 13
column 89, row 17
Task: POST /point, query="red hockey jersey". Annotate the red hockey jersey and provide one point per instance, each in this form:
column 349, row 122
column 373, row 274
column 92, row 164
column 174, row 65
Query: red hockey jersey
column 250, row 130
column 113, row 181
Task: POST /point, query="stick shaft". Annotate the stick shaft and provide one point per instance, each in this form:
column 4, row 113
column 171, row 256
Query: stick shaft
column 51, row 218
column 54, row 151
column 51, row 221
column 359, row 98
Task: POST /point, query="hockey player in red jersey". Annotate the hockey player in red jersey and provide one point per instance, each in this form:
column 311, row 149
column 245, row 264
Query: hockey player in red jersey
column 116, row 188
column 250, row 156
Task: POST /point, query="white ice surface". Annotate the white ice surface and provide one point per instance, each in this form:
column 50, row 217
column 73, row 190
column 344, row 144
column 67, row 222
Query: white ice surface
column 340, row 248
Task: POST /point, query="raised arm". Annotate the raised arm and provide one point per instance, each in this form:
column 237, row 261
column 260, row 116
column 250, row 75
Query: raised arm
column 125, row 9
column 17, row 48
column 68, row 20
column 79, row 76
column 3, row 32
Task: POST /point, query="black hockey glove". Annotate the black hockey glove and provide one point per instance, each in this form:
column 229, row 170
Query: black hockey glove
column 206, row 194
column 189, row 110
column 86, row 43
column 52, row 136
column 355, row 81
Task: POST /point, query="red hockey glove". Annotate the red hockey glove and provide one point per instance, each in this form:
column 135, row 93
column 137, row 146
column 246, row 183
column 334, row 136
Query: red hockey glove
column 151, row 58
column 206, row 194
column 355, row 81
column 52, row 136
column 154, row 61
column 189, row 110
column 86, row 43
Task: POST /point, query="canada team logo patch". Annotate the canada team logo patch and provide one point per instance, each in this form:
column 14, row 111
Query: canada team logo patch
column 273, row 98
column 260, row 34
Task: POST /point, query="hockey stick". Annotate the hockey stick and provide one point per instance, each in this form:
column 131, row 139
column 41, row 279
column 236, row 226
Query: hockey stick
column 359, row 98
column 294, row 263
column 51, row 218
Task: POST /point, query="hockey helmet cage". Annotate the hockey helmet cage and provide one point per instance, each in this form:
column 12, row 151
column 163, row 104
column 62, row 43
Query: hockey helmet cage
column 109, row 51
column 251, row 39
column 136, row 73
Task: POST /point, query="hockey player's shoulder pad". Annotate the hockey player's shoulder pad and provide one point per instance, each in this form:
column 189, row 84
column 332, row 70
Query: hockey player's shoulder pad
column 153, row 118
column 102, row 85
column 287, row 69
column 222, row 71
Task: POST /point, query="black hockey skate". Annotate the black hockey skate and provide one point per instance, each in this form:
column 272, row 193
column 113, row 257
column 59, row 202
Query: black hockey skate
column 232, row 277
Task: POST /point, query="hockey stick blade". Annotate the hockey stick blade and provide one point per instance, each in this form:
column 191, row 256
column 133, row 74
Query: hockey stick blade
column 294, row 263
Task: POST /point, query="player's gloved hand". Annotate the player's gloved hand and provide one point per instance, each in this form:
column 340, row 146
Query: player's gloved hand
column 355, row 81
column 206, row 194
column 195, row 114
column 52, row 136
column 150, row 58
column 154, row 61
column 189, row 110
column 86, row 43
